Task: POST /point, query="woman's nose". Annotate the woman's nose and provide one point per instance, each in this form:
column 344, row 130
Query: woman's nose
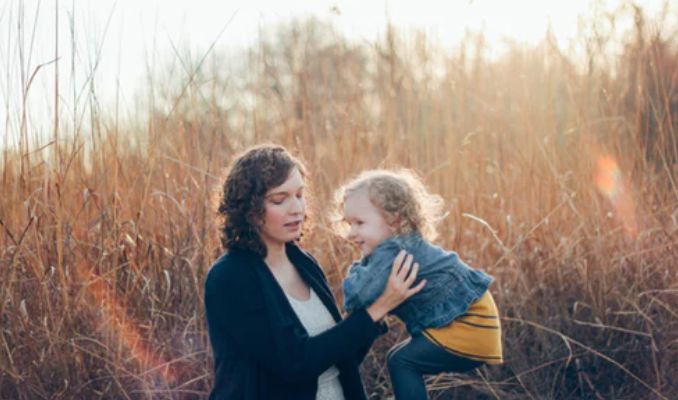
column 298, row 205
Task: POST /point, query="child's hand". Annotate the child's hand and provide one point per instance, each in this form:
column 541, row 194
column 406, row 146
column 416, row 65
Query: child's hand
column 399, row 286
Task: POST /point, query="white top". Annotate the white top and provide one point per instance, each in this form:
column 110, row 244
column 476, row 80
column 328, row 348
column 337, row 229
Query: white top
column 317, row 319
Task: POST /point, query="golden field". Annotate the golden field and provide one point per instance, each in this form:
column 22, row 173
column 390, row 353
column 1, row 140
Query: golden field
column 559, row 178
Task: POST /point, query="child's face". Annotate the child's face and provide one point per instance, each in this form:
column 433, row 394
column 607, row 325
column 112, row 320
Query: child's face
column 368, row 227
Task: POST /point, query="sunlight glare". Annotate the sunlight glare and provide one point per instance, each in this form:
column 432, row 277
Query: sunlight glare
column 609, row 181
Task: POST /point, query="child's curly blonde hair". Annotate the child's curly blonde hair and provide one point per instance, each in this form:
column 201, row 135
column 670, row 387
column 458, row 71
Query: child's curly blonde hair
column 402, row 198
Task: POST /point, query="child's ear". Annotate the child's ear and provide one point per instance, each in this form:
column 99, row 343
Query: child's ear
column 394, row 224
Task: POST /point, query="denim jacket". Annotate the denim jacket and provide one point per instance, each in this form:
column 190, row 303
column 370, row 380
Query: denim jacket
column 450, row 289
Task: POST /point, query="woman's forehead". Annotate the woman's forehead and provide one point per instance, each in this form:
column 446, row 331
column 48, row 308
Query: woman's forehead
column 294, row 182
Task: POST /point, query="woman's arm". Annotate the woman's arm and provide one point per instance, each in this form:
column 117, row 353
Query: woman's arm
column 237, row 312
column 283, row 349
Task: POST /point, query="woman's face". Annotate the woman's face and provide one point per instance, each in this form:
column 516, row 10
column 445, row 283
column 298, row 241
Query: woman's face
column 285, row 209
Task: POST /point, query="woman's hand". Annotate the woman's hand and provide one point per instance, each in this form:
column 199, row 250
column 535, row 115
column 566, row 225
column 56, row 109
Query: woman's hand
column 398, row 288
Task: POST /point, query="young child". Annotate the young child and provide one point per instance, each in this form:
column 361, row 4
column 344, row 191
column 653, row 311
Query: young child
column 453, row 321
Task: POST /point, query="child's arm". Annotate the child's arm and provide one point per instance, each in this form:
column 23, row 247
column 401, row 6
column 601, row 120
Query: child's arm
column 351, row 286
column 365, row 283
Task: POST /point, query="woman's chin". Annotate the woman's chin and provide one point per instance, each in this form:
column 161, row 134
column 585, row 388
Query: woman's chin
column 292, row 237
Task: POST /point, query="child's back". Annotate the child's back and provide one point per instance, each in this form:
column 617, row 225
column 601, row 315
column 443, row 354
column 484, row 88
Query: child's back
column 452, row 286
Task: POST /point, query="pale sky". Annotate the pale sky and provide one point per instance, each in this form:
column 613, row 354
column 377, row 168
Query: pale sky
column 129, row 34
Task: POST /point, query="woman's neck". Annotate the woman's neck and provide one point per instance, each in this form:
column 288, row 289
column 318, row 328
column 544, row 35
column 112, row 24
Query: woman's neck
column 275, row 255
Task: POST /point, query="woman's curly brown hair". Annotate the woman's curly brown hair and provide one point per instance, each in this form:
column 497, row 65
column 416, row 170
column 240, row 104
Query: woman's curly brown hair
column 241, row 205
column 402, row 198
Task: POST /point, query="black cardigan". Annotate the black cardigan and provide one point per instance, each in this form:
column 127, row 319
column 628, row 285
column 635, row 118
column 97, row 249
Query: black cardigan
column 261, row 349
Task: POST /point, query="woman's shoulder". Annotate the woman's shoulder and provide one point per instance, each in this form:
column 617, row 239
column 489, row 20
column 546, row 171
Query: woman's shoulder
column 232, row 285
column 233, row 266
column 302, row 257
column 296, row 249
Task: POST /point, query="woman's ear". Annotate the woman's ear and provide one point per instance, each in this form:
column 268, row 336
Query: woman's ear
column 256, row 221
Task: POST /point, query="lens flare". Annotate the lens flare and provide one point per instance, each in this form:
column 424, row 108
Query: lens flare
column 116, row 321
column 610, row 182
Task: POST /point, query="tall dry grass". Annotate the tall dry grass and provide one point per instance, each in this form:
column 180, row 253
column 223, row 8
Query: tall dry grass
column 106, row 239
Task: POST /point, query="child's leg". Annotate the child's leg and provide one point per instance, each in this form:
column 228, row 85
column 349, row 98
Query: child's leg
column 410, row 359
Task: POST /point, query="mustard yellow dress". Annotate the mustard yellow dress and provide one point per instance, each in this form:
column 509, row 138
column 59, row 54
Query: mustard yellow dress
column 475, row 334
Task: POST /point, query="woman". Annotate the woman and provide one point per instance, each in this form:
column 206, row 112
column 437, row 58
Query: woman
column 275, row 329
